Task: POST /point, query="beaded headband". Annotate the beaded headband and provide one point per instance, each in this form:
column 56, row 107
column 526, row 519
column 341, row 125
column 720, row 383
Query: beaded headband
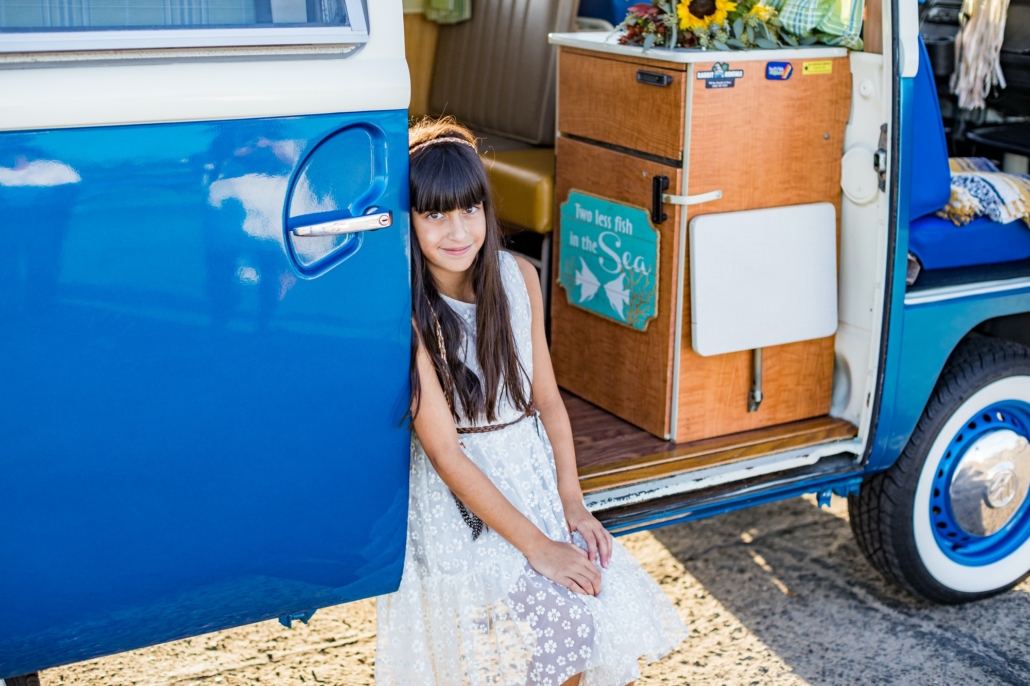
column 446, row 139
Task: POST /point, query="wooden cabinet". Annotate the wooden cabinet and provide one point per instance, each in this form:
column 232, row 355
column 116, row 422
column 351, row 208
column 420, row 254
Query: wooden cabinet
column 707, row 125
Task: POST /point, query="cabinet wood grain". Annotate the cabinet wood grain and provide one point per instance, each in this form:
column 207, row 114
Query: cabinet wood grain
column 763, row 143
column 601, row 99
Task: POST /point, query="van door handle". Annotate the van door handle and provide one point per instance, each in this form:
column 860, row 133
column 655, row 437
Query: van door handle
column 339, row 227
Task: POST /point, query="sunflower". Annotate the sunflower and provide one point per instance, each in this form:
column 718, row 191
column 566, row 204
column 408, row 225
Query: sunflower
column 699, row 14
column 763, row 12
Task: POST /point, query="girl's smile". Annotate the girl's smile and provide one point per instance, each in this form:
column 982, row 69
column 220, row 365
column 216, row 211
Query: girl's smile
column 457, row 252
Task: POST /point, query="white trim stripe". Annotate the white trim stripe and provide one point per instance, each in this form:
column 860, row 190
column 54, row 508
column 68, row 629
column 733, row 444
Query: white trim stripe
column 698, row 479
column 932, row 295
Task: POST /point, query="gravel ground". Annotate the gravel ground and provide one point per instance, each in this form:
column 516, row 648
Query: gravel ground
column 777, row 594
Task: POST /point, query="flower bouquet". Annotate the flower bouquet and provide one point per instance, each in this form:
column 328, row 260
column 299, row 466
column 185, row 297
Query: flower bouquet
column 711, row 24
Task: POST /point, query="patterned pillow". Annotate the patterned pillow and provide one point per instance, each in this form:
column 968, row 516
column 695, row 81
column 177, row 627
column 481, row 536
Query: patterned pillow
column 979, row 188
column 971, row 164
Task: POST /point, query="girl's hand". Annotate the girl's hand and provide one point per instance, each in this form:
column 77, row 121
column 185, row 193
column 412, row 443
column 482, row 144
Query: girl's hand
column 598, row 540
column 568, row 566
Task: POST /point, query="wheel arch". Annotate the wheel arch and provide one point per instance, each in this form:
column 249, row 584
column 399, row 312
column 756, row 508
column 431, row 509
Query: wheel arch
column 931, row 332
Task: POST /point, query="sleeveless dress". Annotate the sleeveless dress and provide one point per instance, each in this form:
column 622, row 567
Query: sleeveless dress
column 474, row 611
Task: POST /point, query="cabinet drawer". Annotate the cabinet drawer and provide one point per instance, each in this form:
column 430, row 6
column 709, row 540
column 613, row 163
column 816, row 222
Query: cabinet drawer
column 619, row 101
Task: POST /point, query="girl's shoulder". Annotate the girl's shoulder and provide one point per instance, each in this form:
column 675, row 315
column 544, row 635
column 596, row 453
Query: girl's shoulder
column 512, row 264
column 524, row 279
column 518, row 271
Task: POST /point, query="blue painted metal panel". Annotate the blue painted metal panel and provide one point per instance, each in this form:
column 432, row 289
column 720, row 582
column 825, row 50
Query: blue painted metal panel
column 883, row 449
column 931, row 332
column 196, row 434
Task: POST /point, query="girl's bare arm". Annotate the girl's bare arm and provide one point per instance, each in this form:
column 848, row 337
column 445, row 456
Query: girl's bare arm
column 562, row 563
column 559, row 430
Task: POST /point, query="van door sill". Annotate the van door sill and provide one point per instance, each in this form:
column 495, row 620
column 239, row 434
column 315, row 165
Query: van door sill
column 613, row 454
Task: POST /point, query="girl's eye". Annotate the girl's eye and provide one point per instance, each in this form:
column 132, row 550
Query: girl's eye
column 434, row 215
column 471, row 210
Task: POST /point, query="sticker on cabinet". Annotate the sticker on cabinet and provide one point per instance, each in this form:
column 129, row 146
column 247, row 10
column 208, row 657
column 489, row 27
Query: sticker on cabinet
column 720, row 75
column 820, row 67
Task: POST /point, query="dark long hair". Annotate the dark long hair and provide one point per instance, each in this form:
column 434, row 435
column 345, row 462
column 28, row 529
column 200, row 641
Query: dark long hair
column 444, row 177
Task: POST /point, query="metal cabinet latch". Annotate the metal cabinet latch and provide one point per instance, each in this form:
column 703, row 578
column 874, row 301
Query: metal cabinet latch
column 880, row 158
column 658, row 184
column 692, row 199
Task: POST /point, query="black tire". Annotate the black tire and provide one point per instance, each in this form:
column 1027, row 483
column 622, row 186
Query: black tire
column 882, row 514
column 26, row 680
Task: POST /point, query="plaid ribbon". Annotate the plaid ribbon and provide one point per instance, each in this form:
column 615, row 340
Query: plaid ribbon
column 840, row 18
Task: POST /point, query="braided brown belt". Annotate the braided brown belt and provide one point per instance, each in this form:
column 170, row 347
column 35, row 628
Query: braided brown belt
column 530, row 412
column 474, row 522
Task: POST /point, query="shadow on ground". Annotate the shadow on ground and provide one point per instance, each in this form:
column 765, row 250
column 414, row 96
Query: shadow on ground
column 793, row 576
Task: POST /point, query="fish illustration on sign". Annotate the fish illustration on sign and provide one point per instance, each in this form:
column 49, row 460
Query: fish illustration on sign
column 615, row 290
column 587, row 282
column 618, row 295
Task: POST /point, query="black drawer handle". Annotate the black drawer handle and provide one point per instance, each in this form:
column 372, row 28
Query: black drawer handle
column 653, row 78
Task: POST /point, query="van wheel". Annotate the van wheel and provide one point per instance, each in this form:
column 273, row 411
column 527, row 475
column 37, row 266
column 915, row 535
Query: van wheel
column 950, row 520
column 27, row 680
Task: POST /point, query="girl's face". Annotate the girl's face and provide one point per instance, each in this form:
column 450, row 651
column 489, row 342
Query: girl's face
column 451, row 240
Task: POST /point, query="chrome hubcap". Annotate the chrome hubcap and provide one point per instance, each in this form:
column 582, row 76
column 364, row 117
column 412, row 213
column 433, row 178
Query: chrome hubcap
column 990, row 483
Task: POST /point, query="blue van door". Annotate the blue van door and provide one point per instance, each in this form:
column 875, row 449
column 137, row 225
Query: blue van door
column 204, row 352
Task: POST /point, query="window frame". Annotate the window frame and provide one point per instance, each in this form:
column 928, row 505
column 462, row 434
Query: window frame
column 116, row 38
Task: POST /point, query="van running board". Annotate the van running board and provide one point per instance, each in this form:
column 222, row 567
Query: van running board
column 839, row 473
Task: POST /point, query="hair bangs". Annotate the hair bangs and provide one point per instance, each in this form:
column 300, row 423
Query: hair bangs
column 445, row 178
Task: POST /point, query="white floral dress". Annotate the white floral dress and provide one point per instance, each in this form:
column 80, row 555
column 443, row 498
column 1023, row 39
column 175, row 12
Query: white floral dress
column 474, row 611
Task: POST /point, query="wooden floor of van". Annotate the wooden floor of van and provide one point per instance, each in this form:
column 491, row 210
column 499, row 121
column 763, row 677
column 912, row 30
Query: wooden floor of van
column 611, row 452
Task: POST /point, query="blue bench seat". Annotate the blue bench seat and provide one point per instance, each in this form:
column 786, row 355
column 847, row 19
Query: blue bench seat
column 937, row 242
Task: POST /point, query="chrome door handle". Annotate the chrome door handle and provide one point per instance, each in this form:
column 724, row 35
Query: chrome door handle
column 338, row 227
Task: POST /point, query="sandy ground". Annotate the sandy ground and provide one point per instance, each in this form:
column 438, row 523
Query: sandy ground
column 777, row 594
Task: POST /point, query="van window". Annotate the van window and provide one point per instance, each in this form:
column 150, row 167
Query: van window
column 32, row 25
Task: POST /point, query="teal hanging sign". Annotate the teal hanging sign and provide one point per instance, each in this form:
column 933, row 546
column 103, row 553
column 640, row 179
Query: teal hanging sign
column 608, row 256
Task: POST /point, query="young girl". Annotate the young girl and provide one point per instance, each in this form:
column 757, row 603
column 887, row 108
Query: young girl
column 508, row 579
